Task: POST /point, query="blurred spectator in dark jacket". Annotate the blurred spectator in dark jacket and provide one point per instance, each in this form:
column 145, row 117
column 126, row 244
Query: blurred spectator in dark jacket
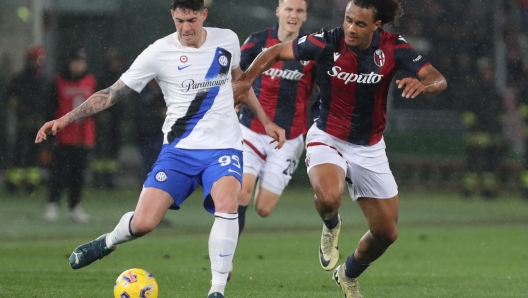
column 108, row 124
column 483, row 116
column 27, row 94
column 150, row 116
column 73, row 85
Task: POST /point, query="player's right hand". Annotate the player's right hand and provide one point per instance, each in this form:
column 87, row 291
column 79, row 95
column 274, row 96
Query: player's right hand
column 50, row 127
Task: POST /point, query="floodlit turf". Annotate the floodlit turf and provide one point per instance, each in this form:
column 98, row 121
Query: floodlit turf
column 447, row 248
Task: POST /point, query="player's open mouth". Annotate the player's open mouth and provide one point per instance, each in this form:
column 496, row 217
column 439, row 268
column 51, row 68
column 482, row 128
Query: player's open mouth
column 292, row 23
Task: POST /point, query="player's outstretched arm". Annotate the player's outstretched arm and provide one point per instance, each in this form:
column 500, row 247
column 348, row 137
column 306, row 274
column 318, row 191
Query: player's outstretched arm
column 430, row 81
column 273, row 130
column 265, row 60
column 96, row 103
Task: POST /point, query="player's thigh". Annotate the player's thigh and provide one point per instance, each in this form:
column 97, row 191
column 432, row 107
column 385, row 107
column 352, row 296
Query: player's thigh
column 222, row 180
column 381, row 215
column 150, row 209
column 369, row 174
column 248, row 186
column 280, row 166
column 167, row 175
column 325, row 164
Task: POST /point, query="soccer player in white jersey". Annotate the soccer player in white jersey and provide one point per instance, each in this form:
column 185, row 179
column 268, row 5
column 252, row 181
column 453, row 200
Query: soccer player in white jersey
column 202, row 138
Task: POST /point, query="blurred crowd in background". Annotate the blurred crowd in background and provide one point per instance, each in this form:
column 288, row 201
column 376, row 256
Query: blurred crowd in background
column 480, row 46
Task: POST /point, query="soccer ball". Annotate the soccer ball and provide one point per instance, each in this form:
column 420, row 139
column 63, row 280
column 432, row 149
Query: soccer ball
column 136, row 283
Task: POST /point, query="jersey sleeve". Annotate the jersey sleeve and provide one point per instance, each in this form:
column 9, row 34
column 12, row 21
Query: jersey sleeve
column 144, row 69
column 310, row 47
column 236, row 52
column 406, row 57
column 249, row 51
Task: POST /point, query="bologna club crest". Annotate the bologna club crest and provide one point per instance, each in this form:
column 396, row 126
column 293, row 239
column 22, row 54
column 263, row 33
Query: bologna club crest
column 379, row 58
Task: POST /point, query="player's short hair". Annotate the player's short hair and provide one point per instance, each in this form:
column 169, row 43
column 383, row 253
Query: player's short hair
column 307, row 2
column 193, row 5
column 388, row 11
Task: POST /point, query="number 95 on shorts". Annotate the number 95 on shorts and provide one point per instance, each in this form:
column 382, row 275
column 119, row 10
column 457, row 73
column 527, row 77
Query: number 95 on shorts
column 180, row 171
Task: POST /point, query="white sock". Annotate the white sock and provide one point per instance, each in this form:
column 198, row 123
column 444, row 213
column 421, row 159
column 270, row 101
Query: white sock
column 222, row 244
column 121, row 232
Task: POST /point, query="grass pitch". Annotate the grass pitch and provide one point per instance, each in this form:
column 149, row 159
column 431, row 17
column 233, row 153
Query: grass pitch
column 448, row 247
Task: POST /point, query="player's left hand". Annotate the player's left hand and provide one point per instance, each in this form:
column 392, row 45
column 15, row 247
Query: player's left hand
column 277, row 133
column 413, row 87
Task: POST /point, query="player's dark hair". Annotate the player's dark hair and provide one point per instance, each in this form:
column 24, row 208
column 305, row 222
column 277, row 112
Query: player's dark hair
column 388, row 11
column 193, row 5
column 307, row 2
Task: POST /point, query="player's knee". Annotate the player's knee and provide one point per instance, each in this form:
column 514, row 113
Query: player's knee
column 328, row 199
column 263, row 211
column 386, row 237
column 225, row 204
column 245, row 196
column 140, row 227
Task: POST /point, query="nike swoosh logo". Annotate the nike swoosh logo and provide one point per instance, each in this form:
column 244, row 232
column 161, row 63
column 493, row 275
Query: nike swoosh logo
column 231, row 171
column 183, row 67
column 223, row 256
column 323, row 261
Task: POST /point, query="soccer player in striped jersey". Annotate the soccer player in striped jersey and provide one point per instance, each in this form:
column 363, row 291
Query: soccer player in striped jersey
column 202, row 138
column 355, row 66
column 284, row 92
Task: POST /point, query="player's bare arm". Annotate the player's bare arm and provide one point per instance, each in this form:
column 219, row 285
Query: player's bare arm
column 265, row 60
column 430, row 81
column 273, row 130
column 96, row 103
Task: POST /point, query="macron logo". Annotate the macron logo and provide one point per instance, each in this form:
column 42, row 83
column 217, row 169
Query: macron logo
column 336, row 56
column 183, row 67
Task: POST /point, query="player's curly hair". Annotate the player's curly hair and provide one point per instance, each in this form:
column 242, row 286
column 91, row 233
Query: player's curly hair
column 194, row 5
column 388, row 11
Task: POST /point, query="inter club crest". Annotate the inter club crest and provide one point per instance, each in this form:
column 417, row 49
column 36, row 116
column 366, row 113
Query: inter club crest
column 379, row 58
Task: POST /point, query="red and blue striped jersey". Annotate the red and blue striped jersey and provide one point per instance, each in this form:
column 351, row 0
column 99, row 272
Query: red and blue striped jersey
column 283, row 90
column 354, row 83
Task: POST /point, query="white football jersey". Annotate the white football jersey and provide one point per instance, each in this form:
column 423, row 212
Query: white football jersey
column 196, row 85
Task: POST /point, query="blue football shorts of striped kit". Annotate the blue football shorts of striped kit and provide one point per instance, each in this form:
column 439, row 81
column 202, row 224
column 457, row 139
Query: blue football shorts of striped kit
column 179, row 172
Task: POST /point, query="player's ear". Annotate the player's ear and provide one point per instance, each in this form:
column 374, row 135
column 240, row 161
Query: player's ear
column 205, row 12
column 277, row 11
column 377, row 24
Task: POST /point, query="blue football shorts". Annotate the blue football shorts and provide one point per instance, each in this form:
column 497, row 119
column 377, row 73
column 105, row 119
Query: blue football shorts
column 180, row 171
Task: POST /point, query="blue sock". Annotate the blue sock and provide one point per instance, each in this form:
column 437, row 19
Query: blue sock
column 241, row 218
column 332, row 222
column 353, row 267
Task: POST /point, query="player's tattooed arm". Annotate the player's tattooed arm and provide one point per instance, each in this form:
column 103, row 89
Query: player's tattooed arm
column 96, row 103
column 99, row 101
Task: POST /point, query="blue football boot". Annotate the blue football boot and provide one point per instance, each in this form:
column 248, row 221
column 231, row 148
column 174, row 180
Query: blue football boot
column 90, row 252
